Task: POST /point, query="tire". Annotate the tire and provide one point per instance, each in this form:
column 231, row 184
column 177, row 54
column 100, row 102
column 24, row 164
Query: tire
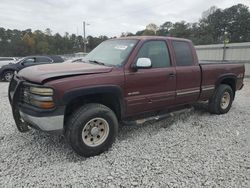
column 221, row 101
column 7, row 75
column 89, row 122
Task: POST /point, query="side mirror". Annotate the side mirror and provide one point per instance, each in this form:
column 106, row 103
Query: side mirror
column 143, row 63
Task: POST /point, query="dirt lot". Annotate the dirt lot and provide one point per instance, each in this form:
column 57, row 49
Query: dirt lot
column 195, row 149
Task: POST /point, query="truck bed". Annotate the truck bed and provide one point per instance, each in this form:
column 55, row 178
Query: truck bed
column 212, row 71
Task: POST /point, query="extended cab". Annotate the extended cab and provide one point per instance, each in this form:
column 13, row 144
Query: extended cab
column 120, row 79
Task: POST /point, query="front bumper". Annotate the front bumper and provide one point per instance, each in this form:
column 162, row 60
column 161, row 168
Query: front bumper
column 27, row 116
column 48, row 124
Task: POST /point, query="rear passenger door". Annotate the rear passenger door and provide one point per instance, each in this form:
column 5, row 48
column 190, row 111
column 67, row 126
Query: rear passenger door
column 153, row 88
column 188, row 75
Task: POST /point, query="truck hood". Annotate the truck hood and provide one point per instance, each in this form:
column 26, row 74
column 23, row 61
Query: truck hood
column 40, row 73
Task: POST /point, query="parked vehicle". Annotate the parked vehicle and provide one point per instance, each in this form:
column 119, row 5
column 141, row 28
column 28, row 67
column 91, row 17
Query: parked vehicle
column 121, row 79
column 7, row 71
column 74, row 60
column 7, row 60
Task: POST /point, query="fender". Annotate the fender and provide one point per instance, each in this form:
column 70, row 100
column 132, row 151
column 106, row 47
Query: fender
column 80, row 92
column 225, row 76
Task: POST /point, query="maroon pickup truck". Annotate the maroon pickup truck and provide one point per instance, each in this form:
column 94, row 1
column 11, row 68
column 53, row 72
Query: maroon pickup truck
column 120, row 80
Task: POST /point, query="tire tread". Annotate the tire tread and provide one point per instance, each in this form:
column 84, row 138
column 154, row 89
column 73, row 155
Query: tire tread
column 73, row 121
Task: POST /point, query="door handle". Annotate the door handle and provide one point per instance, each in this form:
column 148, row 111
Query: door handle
column 171, row 75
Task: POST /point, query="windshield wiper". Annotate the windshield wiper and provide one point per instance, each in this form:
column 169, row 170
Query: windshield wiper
column 96, row 62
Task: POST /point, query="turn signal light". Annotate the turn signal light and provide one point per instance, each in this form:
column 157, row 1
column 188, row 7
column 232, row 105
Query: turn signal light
column 43, row 104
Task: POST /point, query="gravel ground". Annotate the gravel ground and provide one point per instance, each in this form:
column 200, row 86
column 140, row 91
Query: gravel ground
column 195, row 149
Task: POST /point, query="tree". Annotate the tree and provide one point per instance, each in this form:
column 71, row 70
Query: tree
column 95, row 41
column 164, row 29
column 237, row 25
column 147, row 32
column 208, row 12
column 127, row 34
column 180, row 29
column 152, row 27
column 42, row 47
column 48, row 32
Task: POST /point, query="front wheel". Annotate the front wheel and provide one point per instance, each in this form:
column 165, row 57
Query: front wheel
column 92, row 129
column 221, row 101
column 7, row 75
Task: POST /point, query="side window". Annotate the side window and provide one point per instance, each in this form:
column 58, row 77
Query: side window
column 157, row 52
column 44, row 60
column 29, row 61
column 183, row 53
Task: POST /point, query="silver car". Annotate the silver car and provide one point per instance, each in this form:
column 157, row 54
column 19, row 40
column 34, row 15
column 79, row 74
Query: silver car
column 7, row 60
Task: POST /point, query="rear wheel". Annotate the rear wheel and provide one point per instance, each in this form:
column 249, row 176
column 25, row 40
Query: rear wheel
column 7, row 75
column 92, row 129
column 221, row 101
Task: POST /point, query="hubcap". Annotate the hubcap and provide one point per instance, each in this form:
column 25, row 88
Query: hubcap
column 95, row 132
column 225, row 100
column 8, row 76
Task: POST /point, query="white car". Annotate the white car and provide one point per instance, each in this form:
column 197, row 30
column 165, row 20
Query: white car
column 7, row 60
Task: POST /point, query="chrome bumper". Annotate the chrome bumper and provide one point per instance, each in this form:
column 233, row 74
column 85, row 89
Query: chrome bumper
column 50, row 123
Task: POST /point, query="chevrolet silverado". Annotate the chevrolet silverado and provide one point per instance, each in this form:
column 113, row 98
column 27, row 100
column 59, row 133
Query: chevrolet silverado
column 121, row 79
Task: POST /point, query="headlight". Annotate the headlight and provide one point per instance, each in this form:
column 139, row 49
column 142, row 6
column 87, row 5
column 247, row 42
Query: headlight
column 41, row 91
column 41, row 97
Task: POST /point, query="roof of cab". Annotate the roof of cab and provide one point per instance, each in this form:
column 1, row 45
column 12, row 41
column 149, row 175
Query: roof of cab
column 153, row 37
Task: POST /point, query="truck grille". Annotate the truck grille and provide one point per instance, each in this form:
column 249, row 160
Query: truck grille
column 22, row 90
column 24, row 94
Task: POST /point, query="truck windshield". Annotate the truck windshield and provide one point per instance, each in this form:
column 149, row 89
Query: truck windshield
column 111, row 52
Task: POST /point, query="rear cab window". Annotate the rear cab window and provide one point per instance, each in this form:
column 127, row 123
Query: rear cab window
column 157, row 52
column 183, row 53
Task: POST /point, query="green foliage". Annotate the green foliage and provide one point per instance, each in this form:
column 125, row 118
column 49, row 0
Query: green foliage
column 180, row 29
column 23, row 43
column 147, row 32
column 215, row 26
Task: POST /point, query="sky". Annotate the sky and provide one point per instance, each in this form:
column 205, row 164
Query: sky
column 104, row 17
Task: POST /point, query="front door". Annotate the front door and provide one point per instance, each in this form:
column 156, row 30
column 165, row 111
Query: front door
column 152, row 88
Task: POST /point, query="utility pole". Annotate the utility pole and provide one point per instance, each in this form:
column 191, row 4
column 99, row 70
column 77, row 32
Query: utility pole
column 225, row 41
column 84, row 37
column 224, row 50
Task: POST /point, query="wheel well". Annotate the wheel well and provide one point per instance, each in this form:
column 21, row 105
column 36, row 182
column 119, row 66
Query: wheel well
column 108, row 99
column 2, row 75
column 231, row 82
